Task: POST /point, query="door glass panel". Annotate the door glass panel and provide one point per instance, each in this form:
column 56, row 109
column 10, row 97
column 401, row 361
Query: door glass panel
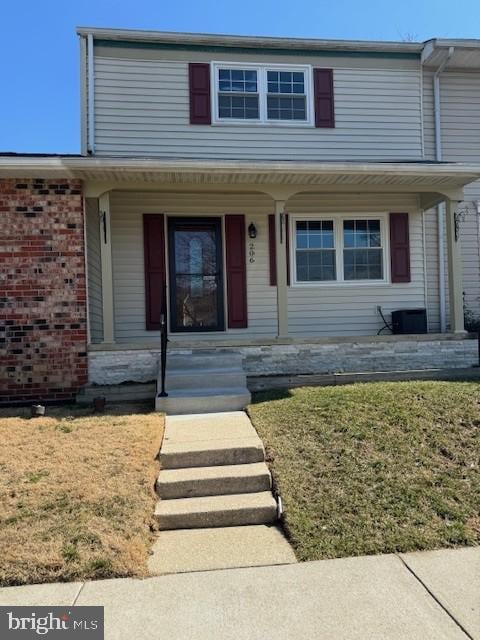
column 197, row 278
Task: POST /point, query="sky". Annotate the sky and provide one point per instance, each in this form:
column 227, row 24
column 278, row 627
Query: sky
column 39, row 51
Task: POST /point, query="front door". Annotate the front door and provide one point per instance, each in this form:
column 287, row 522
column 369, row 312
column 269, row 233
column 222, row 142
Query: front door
column 196, row 270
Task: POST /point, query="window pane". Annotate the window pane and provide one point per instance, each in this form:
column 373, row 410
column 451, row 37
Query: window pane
column 315, row 241
column 291, row 108
column 237, row 80
column 302, row 241
column 315, row 234
column 315, row 252
column 361, row 233
column 363, row 264
column 287, row 82
column 241, row 107
column 315, row 266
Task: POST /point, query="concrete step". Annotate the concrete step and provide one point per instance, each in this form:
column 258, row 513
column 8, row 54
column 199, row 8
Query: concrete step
column 210, row 439
column 213, row 481
column 183, row 401
column 178, row 379
column 209, row 454
column 216, row 511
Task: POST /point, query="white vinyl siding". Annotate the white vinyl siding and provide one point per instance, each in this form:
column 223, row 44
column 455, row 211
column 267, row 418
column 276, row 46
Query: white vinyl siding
column 337, row 311
column 350, row 309
column 142, row 109
column 94, row 270
column 127, row 209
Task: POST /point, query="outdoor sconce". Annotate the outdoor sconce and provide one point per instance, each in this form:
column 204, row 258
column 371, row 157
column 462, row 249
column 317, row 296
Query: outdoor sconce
column 252, row 231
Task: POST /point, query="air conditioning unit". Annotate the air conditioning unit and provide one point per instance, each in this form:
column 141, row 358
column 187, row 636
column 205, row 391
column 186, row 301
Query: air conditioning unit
column 409, row 321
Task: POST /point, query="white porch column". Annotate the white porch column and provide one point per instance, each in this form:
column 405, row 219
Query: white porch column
column 106, row 265
column 455, row 280
column 281, row 254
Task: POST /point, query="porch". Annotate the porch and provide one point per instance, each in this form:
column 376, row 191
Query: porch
column 245, row 292
column 263, row 292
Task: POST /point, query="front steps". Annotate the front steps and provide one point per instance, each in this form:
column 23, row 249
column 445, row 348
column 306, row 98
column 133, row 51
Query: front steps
column 197, row 482
column 213, row 473
column 216, row 511
column 203, row 382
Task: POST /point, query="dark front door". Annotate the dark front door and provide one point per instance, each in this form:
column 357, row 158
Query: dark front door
column 196, row 270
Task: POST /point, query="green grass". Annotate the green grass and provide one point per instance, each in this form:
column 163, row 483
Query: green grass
column 375, row 468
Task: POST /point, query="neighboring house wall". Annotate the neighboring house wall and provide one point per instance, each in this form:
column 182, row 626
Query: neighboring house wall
column 42, row 269
column 313, row 310
column 142, row 109
column 95, row 310
column 470, row 235
column 460, row 136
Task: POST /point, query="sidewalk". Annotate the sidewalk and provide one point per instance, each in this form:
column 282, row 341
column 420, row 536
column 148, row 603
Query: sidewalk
column 417, row 596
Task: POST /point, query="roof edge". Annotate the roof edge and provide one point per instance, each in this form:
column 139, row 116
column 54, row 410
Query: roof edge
column 207, row 39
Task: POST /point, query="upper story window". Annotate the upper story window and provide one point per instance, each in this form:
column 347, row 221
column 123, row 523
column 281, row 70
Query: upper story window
column 286, row 97
column 262, row 94
column 238, row 94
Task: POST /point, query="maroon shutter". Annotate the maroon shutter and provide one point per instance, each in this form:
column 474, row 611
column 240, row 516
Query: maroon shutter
column 155, row 275
column 236, row 271
column 399, row 247
column 324, row 99
column 199, row 78
column 272, row 249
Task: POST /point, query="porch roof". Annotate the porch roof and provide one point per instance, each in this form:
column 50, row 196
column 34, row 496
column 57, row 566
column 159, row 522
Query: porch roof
column 414, row 176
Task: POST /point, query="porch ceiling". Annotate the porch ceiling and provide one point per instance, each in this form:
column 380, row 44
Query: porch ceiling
column 414, row 176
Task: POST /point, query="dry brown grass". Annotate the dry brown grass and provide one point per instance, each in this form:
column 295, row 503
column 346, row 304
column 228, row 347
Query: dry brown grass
column 76, row 493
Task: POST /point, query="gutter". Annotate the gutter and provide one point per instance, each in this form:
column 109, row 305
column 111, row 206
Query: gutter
column 91, row 95
column 440, row 207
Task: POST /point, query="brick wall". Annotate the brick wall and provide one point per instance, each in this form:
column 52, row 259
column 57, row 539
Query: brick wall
column 43, row 339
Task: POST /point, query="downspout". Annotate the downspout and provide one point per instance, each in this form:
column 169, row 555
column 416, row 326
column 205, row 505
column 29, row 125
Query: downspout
column 440, row 207
column 91, row 95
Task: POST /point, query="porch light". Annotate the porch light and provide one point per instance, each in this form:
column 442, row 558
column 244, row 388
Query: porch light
column 252, row 231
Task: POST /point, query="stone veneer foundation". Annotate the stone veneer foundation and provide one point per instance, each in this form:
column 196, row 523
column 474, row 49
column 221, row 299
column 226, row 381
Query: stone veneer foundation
column 353, row 355
column 43, row 334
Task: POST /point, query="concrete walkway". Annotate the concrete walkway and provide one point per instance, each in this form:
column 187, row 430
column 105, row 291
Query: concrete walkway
column 215, row 509
column 419, row 596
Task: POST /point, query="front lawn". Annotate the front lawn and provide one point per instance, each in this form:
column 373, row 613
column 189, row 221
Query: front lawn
column 375, row 468
column 76, row 493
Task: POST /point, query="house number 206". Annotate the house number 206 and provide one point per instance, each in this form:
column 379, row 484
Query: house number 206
column 251, row 252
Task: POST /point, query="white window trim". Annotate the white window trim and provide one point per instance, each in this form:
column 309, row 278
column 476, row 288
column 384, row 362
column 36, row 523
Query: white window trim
column 261, row 69
column 338, row 219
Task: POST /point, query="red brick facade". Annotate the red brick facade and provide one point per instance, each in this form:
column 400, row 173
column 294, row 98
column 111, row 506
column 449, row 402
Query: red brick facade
column 43, row 327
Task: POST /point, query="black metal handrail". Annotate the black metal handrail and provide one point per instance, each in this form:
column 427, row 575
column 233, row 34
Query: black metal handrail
column 163, row 355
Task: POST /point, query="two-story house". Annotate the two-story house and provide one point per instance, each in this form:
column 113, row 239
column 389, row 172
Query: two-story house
column 299, row 206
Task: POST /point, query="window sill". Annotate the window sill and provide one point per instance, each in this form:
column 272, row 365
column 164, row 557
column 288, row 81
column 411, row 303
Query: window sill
column 342, row 284
column 256, row 123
